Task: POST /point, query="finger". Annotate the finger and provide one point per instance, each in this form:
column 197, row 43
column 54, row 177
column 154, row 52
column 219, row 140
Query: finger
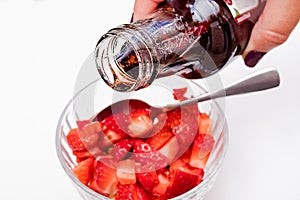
column 142, row 8
column 277, row 21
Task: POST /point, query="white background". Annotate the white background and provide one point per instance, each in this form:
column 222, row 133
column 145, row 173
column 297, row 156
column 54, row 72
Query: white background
column 43, row 44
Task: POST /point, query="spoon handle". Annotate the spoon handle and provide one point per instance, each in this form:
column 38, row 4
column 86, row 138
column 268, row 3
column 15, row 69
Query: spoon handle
column 260, row 80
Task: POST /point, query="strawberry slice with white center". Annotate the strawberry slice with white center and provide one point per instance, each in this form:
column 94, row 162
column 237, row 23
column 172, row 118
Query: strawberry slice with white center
column 126, row 172
column 170, row 149
column 145, row 155
column 140, row 123
column 202, row 147
column 182, row 182
column 157, row 140
column 83, row 171
column 104, row 180
column 161, row 188
column 114, row 129
column 204, row 124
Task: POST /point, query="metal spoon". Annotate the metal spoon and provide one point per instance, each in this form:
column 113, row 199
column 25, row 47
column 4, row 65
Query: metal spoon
column 260, row 80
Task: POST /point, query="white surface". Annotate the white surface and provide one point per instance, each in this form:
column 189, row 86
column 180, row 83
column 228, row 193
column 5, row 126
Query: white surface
column 42, row 47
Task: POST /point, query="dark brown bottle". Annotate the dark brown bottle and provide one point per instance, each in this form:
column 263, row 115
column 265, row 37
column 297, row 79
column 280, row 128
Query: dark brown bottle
column 191, row 38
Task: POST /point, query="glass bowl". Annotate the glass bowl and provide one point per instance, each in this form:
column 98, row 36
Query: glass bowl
column 97, row 95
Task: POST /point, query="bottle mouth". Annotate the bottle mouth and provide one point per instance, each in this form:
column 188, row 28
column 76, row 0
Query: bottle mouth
column 124, row 61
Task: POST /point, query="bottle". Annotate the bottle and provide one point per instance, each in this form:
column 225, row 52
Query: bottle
column 190, row 38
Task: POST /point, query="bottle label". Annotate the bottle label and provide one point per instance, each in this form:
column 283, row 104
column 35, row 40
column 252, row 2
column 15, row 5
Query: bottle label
column 241, row 9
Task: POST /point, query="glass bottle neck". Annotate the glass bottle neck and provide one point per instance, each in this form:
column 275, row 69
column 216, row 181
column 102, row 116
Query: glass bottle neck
column 124, row 59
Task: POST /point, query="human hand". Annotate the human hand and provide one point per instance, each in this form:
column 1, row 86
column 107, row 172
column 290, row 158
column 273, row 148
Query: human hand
column 273, row 28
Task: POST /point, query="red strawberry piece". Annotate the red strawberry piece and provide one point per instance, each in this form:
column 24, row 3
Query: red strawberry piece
column 179, row 93
column 170, row 149
column 157, row 140
column 140, row 123
column 147, row 178
column 199, row 162
column 127, row 192
column 86, row 137
column 184, row 126
column 181, row 183
column 144, row 155
column 126, row 172
column 74, row 140
column 178, row 164
column 185, row 157
column 174, row 118
column 114, row 128
column 83, row 171
column 93, row 152
column 202, row 146
column 161, row 188
column 89, row 134
column 229, row 2
column 141, row 193
column 204, row 124
column 121, row 149
column 104, row 180
column 185, row 134
column 181, row 117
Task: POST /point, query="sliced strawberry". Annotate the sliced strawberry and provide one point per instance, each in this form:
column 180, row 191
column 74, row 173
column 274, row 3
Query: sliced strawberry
column 85, row 137
column 114, row 129
column 174, row 118
column 144, row 155
column 204, row 124
column 127, row 192
column 185, row 157
column 157, row 140
column 140, row 123
column 179, row 93
column 170, row 149
column 104, row 179
column 141, row 193
column 181, row 183
column 185, row 133
column 74, row 141
column 121, row 149
column 202, row 146
column 83, row 171
column 126, row 172
column 178, row 164
column 82, row 155
column 147, row 178
column 160, row 189
column 89, row 134
column 183, row 166
column 199, row 162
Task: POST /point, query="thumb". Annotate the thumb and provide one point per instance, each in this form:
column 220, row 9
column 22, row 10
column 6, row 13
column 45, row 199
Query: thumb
column 142, row 8
column 273, row 28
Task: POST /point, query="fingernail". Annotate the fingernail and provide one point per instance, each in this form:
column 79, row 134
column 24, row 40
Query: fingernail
column 253, row 57
column 131, row 20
